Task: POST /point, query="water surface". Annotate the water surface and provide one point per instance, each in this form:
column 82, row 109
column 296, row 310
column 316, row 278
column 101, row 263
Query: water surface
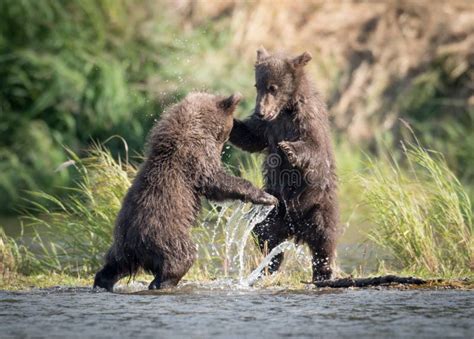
column 225, row 312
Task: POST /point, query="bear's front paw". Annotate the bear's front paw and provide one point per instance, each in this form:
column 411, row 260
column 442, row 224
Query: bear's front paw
column 289, row 150
column 268, row 199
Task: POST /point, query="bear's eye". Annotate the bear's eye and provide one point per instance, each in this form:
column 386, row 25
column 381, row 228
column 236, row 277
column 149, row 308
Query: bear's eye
column 272, row 89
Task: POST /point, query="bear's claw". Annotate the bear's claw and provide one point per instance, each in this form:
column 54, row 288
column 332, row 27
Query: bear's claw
column 288, row 149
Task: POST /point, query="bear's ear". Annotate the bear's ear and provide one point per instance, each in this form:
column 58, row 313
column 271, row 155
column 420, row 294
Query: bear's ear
column 301, row 60
column 262, row 53
column 229, row 104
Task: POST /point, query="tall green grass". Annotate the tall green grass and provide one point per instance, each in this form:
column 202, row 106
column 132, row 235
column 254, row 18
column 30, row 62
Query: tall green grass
column 420, row 217
column 420, row 214
column 73, row 233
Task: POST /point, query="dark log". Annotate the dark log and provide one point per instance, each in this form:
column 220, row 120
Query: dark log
column 366, row 282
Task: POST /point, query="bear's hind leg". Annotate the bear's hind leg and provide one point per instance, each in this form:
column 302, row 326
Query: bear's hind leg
column 321, row 264
column 175, row 270
column 270, row 233
column 322, row 241
column 156, row 283
column 109, row 275
column 323, row 251
column 168, row 271
column 172, row 279
column 154, row 265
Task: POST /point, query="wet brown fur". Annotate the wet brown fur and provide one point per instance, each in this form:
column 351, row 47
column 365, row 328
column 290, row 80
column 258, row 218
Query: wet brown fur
column 290, row 123
column 152, row 229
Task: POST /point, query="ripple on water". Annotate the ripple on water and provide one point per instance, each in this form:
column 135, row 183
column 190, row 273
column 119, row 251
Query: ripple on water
column 201, row 310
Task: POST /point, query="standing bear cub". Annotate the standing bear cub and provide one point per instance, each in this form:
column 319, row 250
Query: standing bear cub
column 290, row 123
column 152, row 230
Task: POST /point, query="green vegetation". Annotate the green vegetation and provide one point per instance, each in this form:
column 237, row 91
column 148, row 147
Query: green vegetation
column 78, row 229
column 24, row 282
column 435, row 107
column 419, row 213
column 422, row 215
column 17, row 262
column 10, row 255
column 64, row 85
column 103, row 68
column 76, row 74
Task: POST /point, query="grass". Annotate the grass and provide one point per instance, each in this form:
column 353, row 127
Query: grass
column 420, row 221
column 421, row 215
column 73, row 234
column 15, row 257
column 43, row 280
column 9, row 255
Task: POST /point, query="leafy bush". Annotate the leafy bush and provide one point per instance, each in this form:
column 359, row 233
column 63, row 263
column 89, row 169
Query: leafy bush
column 70, row 74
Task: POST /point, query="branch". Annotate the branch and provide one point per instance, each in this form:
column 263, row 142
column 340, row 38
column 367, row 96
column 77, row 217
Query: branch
column 365, row 282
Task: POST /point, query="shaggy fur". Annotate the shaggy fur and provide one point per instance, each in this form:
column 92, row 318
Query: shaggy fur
column 290, row 123
column 183, row 163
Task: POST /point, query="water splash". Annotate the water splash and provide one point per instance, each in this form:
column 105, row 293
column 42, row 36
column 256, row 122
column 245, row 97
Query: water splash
column 253, row 277
column 229, row 226
column 257, row 215
column 228, row 253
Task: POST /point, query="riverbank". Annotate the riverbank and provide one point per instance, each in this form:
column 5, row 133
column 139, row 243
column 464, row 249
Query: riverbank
column 18, row 282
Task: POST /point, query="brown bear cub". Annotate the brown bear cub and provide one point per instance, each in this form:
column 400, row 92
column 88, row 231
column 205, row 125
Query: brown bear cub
column 290, row 123
column 152, row 230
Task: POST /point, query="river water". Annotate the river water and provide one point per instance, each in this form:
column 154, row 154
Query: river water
column 229, row 309
column 193, row 311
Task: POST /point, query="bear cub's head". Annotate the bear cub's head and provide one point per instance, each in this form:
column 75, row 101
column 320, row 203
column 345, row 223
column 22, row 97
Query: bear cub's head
column 202, row 116
column 210, row 114
column 200, row 120
column 277, row 80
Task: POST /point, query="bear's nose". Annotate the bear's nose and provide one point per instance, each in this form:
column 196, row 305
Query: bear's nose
column 258, row 111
